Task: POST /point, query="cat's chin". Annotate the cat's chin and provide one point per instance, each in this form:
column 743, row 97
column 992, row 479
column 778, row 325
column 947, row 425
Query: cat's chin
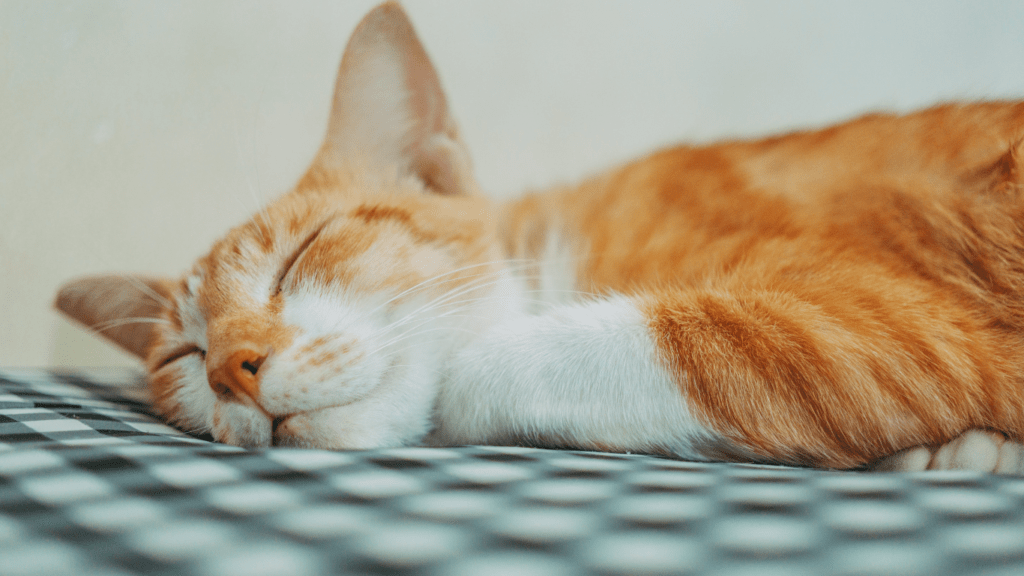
column 289, row 441
column 350, row 427
column 325, row 429
column 240, row 425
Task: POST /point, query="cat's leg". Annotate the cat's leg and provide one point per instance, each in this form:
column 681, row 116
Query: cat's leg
column 586, row 375
column 840, row 375
column 980, row 450
column 826, row 378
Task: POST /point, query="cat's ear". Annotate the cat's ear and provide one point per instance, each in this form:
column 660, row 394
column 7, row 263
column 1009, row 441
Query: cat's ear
column 122, row 309
column 389, row 110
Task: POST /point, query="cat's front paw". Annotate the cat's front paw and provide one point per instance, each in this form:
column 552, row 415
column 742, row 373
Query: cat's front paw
column 981, row 450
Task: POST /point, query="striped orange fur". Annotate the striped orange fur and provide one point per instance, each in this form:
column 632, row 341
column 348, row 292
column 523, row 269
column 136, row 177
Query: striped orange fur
column 832, row 298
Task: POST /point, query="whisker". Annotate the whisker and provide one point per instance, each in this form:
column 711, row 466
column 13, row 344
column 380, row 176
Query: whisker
column 564, row 291
column 420, row 333
column 466, row 301
column 437, row 279
column 482, row 281
column 433, row 371
column 441, row 300
column 420, row 323
column 445, row 300
column 457, row 312
column 400, row 335
column 101, row 326
column 146, row 289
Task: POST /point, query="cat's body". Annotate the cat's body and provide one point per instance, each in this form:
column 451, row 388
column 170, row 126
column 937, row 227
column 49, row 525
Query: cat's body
column 826, row 298
column 834, row 286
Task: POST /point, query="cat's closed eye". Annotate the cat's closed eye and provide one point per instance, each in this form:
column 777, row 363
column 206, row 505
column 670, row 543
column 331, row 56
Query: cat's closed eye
column 181, row 352
column 295, row 258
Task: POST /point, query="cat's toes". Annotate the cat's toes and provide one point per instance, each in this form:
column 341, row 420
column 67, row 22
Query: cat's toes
column 979, row 450
column 909, row 460
column 1011, row 458
column 972, row 450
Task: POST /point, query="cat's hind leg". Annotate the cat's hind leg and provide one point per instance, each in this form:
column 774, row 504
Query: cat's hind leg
column 980, row 450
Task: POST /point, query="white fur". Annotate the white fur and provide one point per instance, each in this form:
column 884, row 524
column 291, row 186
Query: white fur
column 557, row 268
column 341, row 370
column 371, row 393
column 586, row 375
column 381, row 391
column 241, row 424
column 362, row 368
column 198, row 402
column 194, row 395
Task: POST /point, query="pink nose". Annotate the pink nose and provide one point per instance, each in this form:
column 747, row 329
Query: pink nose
column 238, row 374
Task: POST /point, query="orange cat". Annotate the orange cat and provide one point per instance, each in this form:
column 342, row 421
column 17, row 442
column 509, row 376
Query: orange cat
column 834, row 298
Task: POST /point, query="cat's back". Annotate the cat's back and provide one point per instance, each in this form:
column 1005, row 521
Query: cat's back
column 874, row 188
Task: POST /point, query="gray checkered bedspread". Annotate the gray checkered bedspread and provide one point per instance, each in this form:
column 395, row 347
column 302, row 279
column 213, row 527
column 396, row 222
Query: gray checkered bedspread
column 92, row 484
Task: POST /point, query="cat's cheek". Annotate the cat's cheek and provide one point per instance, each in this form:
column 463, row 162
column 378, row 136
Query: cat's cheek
column 181, row 395
column 296, row 385
column 239, row 425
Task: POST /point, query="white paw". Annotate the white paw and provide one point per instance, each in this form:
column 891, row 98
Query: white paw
column 979, row 450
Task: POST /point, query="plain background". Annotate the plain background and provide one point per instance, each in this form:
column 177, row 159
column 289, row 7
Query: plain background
column 133, row 134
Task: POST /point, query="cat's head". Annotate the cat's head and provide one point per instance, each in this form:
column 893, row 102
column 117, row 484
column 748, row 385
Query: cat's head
column 322, row 321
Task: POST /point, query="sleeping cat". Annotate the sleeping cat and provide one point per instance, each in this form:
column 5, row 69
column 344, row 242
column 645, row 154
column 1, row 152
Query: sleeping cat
column 844, row 298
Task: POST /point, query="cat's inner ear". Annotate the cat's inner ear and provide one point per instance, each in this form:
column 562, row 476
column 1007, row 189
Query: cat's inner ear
column 122, row 309
column 390, row 112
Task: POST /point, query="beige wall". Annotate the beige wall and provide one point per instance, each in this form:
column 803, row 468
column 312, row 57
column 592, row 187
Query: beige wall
column 134, row 133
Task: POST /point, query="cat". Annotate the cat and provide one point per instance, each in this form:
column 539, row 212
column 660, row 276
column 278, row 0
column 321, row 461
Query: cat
column 844, row 298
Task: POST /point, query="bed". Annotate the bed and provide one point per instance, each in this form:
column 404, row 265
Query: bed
column 92, row 483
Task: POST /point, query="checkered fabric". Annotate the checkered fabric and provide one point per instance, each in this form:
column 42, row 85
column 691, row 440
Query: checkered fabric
column 92, row 484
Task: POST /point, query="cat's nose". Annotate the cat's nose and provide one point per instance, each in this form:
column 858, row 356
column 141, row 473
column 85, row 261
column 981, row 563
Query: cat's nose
column 238, row 374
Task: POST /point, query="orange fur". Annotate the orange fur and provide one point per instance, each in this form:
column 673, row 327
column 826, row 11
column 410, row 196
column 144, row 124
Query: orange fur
column 818, row 291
